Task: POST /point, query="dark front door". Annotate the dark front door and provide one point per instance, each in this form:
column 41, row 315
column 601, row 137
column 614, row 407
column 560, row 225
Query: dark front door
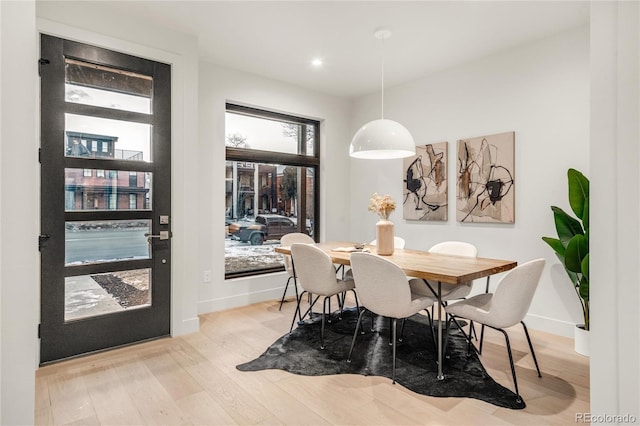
column 105, row 199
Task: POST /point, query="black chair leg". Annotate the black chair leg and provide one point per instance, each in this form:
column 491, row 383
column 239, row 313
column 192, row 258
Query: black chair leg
column 433, row 335
column 481, row 339
column 393, row 334
column 535, row 360
column 355, row 334
column 284, row 293
column 469, row 339
column 297, row 312
column 326, row 301
column 355, row 296
column 513, row 368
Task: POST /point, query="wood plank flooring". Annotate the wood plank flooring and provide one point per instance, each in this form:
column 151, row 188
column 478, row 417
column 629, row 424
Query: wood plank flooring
column 192, row 380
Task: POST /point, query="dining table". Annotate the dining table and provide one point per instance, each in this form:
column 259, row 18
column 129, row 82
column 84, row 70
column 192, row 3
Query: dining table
column 430, row 267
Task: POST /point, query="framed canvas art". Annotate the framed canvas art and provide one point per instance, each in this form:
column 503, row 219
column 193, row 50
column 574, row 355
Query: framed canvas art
column 485, row 179
column 425, row 183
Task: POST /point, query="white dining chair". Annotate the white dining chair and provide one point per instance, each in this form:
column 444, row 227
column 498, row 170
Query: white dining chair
column 448, row 291
column 316, row 275
column 504, row 308
column 287, row 240
column 383, row 289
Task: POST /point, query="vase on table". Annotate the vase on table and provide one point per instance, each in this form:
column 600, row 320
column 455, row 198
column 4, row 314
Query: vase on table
column 384, row 237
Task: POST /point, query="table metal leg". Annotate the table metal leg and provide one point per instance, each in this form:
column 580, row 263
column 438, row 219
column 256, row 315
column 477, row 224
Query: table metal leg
column 440, row 374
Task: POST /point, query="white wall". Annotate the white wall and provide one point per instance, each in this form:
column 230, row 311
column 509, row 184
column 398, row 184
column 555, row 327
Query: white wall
column 88, row 23
column 540, row 91
column 615, row 201
column 18, row 212
column 218, row 86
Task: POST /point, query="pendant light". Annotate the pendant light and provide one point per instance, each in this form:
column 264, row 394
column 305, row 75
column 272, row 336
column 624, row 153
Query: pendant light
column 383, row 138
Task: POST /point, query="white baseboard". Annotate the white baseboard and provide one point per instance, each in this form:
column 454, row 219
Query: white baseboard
column 187, row 326
column 550, row 325
column 237, row 300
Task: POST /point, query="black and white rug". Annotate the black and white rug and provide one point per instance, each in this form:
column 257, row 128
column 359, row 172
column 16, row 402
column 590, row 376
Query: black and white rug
column 416, row 368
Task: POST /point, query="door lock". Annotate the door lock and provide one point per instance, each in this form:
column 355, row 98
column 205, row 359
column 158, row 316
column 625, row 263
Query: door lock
column 164, row 235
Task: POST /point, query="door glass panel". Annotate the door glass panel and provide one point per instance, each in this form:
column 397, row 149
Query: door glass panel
column 93, row 137
column 99, row 294
column 98, row 189
column 107, row 87
column 106, row 241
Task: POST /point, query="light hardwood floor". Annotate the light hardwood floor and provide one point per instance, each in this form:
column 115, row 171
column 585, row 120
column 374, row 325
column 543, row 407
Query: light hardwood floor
column 193, row 380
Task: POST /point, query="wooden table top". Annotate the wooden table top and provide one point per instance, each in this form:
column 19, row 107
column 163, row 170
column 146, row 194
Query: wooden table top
column 422, row 264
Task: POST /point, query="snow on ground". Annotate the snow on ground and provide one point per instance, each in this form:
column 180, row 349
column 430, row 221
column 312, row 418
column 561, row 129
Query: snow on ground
column 241, row 257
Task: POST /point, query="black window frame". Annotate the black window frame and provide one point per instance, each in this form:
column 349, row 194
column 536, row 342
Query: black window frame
column 301, row 160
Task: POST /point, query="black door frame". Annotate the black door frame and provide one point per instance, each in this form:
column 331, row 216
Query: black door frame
column 60, row 339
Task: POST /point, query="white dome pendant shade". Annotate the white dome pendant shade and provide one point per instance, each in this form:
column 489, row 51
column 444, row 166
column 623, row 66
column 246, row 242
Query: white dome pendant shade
column 382, row 139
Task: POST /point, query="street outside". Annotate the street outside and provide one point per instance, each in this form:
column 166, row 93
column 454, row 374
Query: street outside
column 105, row 245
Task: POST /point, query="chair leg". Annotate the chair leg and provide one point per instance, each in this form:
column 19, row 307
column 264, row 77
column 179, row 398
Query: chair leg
column 513, row 368
column 393, row 334
column 355, row 296
column 326, row 301
column 535, row 360
column 297, row 312
column 308, row 311
column 433, row 335
column 355, row 334
column 481, row 339
column 446, row 336
column 284, row 293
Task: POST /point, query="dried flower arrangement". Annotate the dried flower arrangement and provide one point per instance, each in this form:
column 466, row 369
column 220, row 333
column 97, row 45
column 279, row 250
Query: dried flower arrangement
column 382, row 205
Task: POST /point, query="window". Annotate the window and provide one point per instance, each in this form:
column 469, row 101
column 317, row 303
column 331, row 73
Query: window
column 271, row 186
column 133, row 201
column 100, row 173
column 86, row 172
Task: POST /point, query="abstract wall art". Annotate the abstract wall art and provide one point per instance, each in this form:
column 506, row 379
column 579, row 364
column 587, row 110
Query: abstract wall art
column 485, row 179
column 425, row 183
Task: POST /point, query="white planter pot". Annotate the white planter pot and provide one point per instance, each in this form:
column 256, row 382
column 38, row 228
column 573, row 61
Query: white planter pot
column 581, row 340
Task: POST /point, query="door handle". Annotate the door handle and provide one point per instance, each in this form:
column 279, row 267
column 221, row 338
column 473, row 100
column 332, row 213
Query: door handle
column 164, row 235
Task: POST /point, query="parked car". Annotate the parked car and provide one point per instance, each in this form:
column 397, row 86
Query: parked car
column 265, row 227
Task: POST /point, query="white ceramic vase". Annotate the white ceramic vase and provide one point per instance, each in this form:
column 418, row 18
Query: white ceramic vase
column 384, row 237
column 581, row 340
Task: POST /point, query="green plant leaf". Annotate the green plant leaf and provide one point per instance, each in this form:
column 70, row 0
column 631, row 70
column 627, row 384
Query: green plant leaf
column 556, row 245
column 578, row 191
column 585, row 214
column 584, row 288
column 566, row 226
column 584, row 266
column 577, row 249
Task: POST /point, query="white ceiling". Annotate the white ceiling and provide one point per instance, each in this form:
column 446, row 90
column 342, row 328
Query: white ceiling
column 278, row 39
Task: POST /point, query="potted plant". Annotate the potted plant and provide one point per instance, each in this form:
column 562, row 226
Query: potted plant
column 572, row 247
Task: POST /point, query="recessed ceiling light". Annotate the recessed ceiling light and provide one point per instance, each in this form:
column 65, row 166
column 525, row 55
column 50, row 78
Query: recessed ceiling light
column 316, row 62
